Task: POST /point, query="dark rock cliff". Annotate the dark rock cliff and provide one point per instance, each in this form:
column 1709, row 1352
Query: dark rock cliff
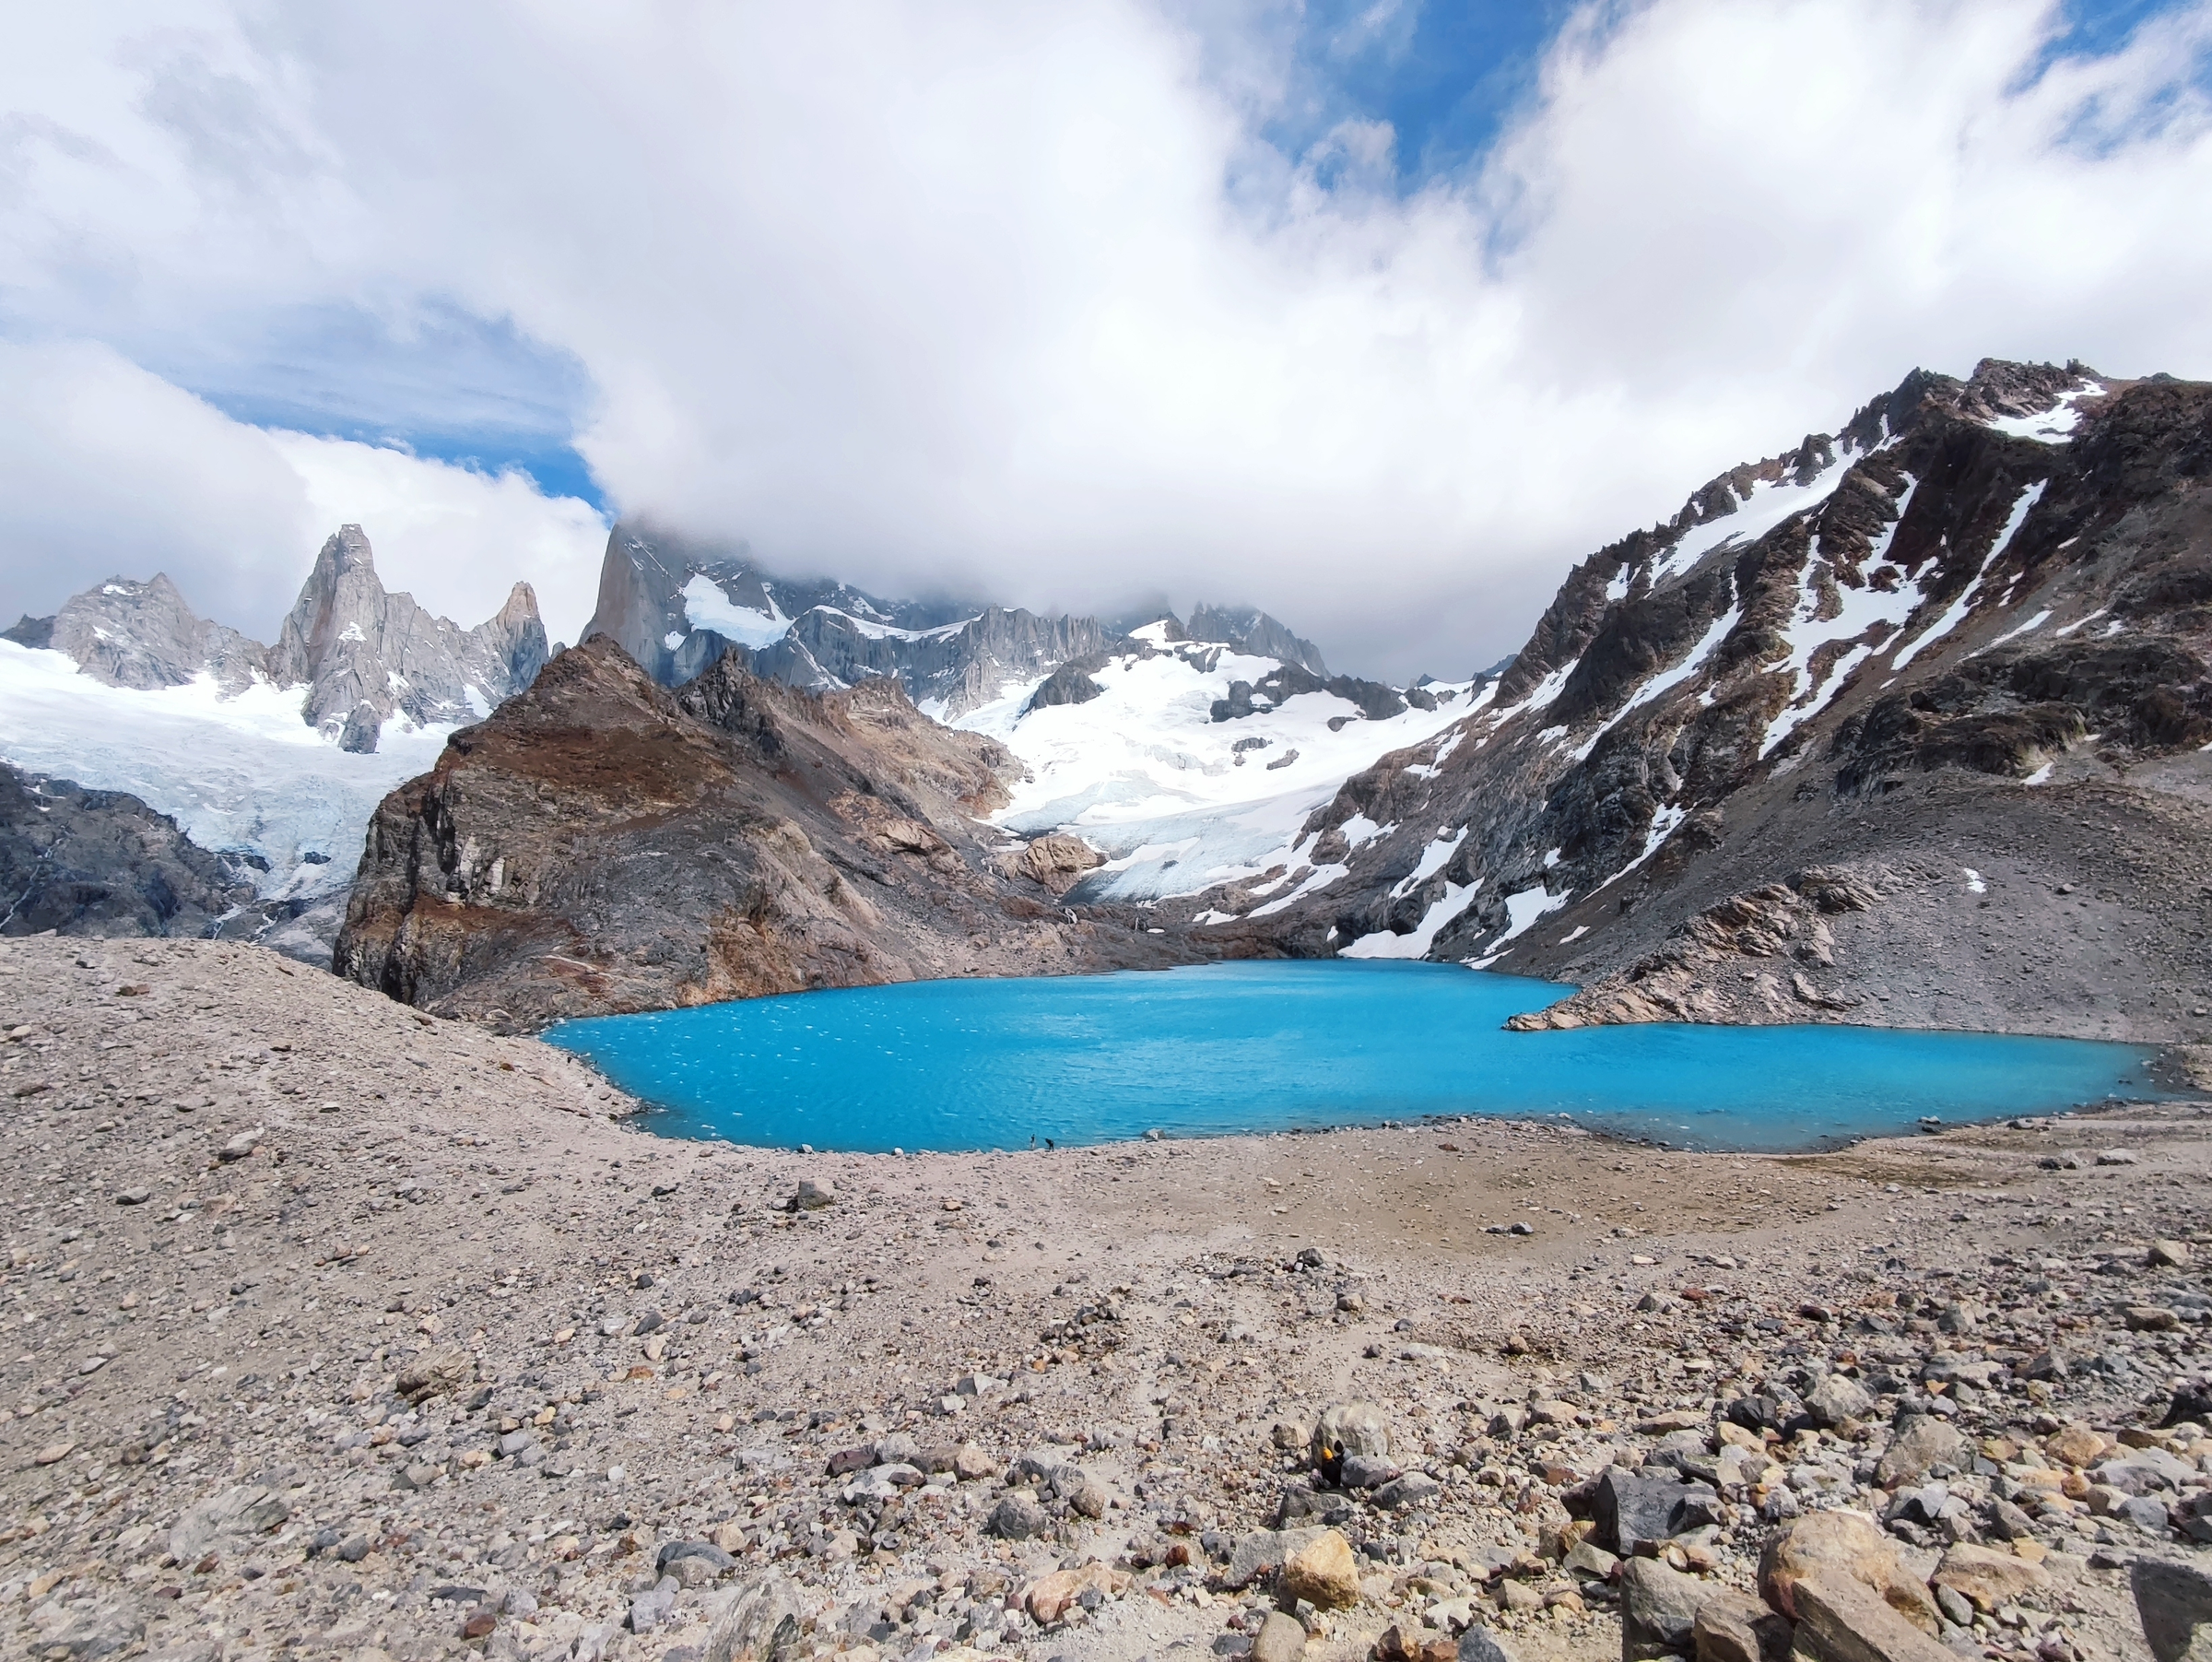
column 1968, row 677
column 602, row 843
column 816, row 634
column 101, row 862
column 1248, row 629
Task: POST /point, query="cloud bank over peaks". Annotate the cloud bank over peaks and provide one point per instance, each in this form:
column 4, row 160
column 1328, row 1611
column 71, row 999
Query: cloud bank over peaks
column 108, row 470
column 1033, row 303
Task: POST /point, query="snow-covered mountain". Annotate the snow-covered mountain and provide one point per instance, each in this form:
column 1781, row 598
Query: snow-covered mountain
column 676, row 606
column 1840, row 697
column 1190, row 763
column 275, row 756
column 1774, row 758
column 1185, row 753
column 367, row 657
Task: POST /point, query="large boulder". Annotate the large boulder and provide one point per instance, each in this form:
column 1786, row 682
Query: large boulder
column 1923, row 1442
column 2077, row 1444
column 1736, row 1627
column 1263, row 1552
column 1837, row 1399
column 1628, row 1507
column 1988, row 1578
column 1658, row 1610
column 1051, row 1596
column 760, row 1624
column 1280, row 1639
column 1018, row 1517
column 2173, row 1601
column 1839, row 1619
column 1323, row 1573
column 1843, row 1546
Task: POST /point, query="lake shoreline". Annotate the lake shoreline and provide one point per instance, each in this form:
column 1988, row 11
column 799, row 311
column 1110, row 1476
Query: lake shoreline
column 1264, row 1047
column 458, row 1325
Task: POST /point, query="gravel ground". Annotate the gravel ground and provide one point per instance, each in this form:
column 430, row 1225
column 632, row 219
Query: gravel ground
column 334, row 1330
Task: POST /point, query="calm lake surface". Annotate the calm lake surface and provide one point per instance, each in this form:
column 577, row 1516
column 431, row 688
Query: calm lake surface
column 1245, row 1047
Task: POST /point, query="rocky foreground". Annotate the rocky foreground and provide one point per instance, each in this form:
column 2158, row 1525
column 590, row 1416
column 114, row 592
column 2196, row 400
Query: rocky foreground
column 334, row 1329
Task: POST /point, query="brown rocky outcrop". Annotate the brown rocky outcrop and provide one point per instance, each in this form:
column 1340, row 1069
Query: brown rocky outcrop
column 1055, row 862
column 1745, row 957
column 601, row 844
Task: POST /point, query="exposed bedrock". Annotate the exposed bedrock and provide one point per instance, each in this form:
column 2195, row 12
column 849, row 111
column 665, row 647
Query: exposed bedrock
column 602, row 843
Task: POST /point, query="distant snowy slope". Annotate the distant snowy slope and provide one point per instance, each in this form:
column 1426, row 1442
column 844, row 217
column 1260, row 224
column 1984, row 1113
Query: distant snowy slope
column 1176, row 799
column 242, row 773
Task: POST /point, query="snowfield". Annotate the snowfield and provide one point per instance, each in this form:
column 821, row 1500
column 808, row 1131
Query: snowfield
column 1146, row 775
column 240, row 775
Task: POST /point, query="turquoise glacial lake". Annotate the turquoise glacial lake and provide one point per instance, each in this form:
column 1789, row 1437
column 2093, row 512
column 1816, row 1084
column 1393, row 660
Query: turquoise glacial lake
column 1250, row 1047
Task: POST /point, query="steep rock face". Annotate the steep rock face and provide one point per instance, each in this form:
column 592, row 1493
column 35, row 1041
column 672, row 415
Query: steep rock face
column 1252, row 631
column 100, row 862
column 677, row 606
column 1963, row 641
column 142, row 635
column 364, row 654
column 674, row 603
column 368, row 654
column 602, row 843
column 1069, row 684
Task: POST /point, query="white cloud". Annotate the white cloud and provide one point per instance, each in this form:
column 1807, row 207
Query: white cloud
column 456, row 538
column 107, row 470
column 1011, row 298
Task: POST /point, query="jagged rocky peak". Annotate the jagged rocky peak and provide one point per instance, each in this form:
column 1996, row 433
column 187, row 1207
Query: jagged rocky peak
column 364, row 654
column 1254, row 633
column 144, row 635
column 676, row 605
column 1613, row 600
column 367, row 654
column 1156, row 625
